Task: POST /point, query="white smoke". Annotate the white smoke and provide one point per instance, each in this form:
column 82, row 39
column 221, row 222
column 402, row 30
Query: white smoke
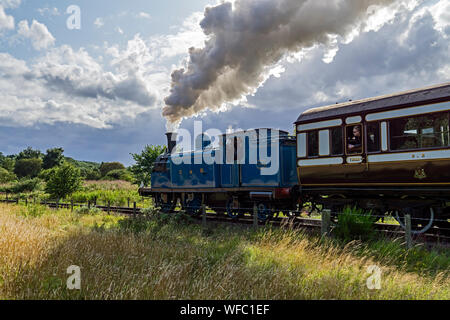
column 247, row 38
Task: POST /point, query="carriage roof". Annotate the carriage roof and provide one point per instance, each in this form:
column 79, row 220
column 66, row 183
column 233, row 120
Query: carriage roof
column 426, row 95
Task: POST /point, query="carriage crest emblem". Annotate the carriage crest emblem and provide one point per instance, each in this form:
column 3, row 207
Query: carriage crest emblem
column 420, row 174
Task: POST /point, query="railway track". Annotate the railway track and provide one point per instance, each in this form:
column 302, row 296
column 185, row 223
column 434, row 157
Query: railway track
column 434, row 235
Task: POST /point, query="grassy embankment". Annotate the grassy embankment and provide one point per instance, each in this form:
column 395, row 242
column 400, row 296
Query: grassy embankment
column 169, row 258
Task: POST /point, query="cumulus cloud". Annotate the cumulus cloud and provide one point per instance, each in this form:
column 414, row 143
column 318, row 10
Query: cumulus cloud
column 410, row 52
column 6, row 21
column 38, row 33
column 67, row 85
column 10, row 3
column 144, row 15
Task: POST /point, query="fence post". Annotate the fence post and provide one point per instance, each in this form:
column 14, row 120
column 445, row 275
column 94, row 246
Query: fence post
column 326, row 223
column 409, row 243
column 109, row 206
column 17, row 200
column 7, row 196
column 26, row 201
column 134, row 208
column 203, row 215
column 255, row 216
column 89, row 204
column 57, row 203
column 71, row 205
column 128, row 201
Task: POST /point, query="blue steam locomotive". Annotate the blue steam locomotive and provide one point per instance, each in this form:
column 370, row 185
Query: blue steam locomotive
column 229, row 177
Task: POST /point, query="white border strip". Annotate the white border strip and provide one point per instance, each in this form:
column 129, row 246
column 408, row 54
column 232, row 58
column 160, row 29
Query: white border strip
column 320, row 162
column 410, row 156
column 319, row 125
column 408, row 111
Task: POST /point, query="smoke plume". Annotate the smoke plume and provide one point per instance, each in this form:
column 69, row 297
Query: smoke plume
column 247, row 38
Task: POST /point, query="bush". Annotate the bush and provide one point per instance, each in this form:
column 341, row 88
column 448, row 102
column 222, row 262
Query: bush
column 106, row 167
column 119, row 174
column 28, row 167
column 28, row 185
column 355, row 223
column 90, row 174
column 64, row 181
column 6, row 176
column 86, row 210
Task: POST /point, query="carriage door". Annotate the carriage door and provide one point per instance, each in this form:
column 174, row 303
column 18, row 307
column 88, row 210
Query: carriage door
column 356, row 161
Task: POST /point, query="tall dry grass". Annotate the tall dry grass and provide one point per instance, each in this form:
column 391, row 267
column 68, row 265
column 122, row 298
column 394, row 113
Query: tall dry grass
column 159, row 259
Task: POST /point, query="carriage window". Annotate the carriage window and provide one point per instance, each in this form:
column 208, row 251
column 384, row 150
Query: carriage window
column 429, row 131
column 313, row 144
column 354, row 139
column 373, row 137
column 337, row 147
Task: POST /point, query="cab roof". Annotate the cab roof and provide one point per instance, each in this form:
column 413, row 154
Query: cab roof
column 432, row 94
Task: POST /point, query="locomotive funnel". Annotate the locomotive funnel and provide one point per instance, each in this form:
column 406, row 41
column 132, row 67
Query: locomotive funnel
column 171, row 141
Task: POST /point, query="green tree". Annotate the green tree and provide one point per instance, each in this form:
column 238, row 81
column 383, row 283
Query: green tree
column 63, row 181
column 54, row 157
column 29, row 153
column 106, row 167
column 8, row 163
column 28, row 167
column 142, row 170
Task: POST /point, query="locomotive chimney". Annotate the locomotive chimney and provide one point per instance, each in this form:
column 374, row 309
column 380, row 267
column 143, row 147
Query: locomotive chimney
column 171, row 141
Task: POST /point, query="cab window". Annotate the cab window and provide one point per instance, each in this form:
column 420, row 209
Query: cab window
column 354, row 139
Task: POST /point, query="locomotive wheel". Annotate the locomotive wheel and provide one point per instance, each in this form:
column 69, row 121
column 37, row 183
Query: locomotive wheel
column 232, row 212
column 166, row 205
column 264, row 212
column 193, row 207
column 419, row 223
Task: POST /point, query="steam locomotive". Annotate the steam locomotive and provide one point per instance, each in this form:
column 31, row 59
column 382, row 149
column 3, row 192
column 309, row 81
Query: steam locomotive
column 389, row 154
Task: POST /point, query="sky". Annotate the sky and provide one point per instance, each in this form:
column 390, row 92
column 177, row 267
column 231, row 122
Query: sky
column 98, row 89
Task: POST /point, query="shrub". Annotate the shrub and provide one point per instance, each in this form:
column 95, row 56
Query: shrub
column 28, row 167
column 86, row 210
column 119, row 174
column 106, row 167
column 355, row 223
column 90, row 174
column 28, row 185
column 64, row 181
column 6, row 176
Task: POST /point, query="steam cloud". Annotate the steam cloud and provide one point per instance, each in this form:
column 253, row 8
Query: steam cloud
column 247, row 38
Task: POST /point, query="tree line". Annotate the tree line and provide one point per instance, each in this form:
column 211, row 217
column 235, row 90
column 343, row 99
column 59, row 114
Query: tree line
column 64, row 175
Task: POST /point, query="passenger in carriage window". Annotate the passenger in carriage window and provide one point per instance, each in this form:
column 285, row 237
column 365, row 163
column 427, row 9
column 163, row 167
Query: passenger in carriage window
column 355, row 142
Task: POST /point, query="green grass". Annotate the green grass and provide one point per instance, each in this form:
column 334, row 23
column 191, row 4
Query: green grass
column 169, row 257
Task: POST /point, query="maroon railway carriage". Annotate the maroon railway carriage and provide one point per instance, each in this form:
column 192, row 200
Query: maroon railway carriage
column 388, row 154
